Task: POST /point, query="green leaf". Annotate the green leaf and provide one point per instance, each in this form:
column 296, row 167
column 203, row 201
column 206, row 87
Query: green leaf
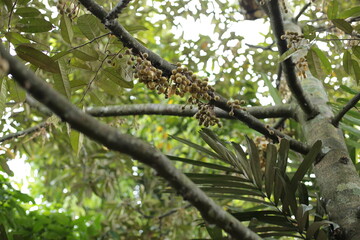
column 3, row 95
column 202, row 164
column 254, row 162
column 273, row 91
column 37, row 58
column 66, row 29
column 347, row 62
column 33, row 25
column 356, row 51
column 287, row 54
column 196, row 146
column 302, row 216
column 271, row 217
column 214, row 232
column 244, row 162
column 23, row 197
column 356, row 69
column 16, row 92
column 61, row 80
column 332, row 10
column 86, row 53
column 119, row 76
column 314, row 64
column 76, row 140
column 348, row 90
column 135, row 28
column 343, row 25
column 281, row 167
column 16, row 38
column 306, row 164
column 5, row 167
column 316, row 226
column 352, row 12
column 309, row 32
column 323, row 58
column 270, row 168
column 89, row 26
column 28, row 12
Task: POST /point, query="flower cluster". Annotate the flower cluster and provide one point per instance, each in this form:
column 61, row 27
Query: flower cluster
column 302, row 67
column 235, row 105
column 70, row 8
column 181, row 82
column 294, row 39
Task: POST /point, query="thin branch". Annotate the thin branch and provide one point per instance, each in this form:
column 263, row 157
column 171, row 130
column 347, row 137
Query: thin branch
column 89, row 42
column 113, row 14
column 127, row 144
column 24, row 132
column 177, row 110
column 269, row 47
column 288, row 66
column 257, row 125
column 158, row 62
column 345, row 109
column 296, row 19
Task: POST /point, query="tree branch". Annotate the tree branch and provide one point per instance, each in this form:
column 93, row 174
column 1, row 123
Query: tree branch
column 24, row 132
column 288, row 66
column 117, row 9
column 345, row 109
column 257, row 125
column 285, row 110
column 296, row 19
column 136, row 148
column 158, row 62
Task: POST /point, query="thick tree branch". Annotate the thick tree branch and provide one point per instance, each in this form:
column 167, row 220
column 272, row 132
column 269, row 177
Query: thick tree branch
column 137, row 48
column 345, row 109
column 176, row 110
column 126, row 144
column 288, row 66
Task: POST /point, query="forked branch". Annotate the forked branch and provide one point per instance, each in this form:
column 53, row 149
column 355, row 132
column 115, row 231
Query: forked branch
column 136, row 148
column 288, row 66
column 166, row 67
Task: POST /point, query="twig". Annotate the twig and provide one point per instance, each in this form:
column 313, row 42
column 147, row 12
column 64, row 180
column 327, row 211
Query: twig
column 269, row 47
column 127, row 144
column 10, row 14
column 280, row 123
column 160, row 63
column 288, row 66
column 117, row 9
column 296, row 19
column 91, row 41
column 24, row 132
column 345, row 109
column 177, row 110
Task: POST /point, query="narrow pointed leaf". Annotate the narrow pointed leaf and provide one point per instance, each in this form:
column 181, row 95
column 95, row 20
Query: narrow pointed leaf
column 214, row 232
column 273, row 91
column 89, row 26
column 203, row 164
column 61, row 81
column 332, row 10
column 33, row 25
column 254, row 162
column 28, row 12
column 347, row 62
column 289, row 194
column 196, row 146
column 287, row 54
column 17, row 93
column 343, row 25
column 356, row 69
column 314, row 64
column 66, row 29
column 16, row 38
column 352, row 12
column 119, row 77
column 3, row 95
column 243, row 161
column 86, row 53
column 306, row 164
column 37, row 58
column 270, row 169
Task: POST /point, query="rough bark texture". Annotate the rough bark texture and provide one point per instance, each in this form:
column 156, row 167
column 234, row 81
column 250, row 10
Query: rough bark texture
column 336, row 176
